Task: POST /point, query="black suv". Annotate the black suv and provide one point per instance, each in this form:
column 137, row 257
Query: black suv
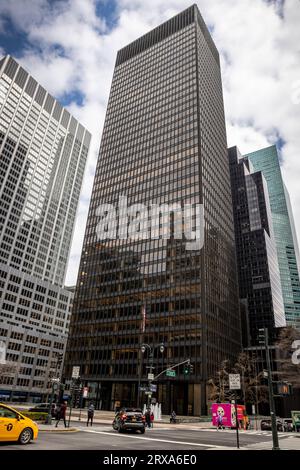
column 129, row 419
column 266, row 425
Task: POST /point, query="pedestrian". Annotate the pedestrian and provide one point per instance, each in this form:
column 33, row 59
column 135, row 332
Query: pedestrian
column 61, row 414
column 245, row 422
column 148, row 418
column 220, row 421
column 91, row 410
column 173, row 417
column 151, row 419
column 53, row 410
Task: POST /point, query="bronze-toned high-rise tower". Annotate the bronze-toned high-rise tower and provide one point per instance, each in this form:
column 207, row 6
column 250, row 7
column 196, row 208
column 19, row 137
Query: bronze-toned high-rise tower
column 163, row 142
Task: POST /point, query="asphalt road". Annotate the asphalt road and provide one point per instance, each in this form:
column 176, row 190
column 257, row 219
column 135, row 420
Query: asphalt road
column 104, row 438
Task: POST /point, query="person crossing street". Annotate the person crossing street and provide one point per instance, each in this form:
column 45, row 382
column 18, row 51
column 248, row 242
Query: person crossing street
column 61, row 414
column 91, row 411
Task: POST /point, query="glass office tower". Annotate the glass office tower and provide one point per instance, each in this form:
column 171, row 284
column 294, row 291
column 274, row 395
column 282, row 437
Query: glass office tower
column 163, row 142
column 43, row 151
column 258, row 271
column 267, row 161
column 43, row 155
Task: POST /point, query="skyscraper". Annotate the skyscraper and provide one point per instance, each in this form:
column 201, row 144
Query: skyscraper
column 258, row 271
column 267, row 161
column 163, row 142
column 43, row 150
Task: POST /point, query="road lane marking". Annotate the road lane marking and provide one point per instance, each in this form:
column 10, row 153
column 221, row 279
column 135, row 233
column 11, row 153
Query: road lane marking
column 249, row 432
column 160, row 440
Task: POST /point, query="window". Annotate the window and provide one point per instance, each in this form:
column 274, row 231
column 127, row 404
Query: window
column 6, row 413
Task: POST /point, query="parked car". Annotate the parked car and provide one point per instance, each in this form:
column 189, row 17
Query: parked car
column 266, row 425
column 129, row 419
column 14, row 426
column 40, row 408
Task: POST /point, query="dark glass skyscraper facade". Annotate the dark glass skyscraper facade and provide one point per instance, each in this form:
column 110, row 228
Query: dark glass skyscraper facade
column 267, row 161
column 258, row 271
column 163, row 142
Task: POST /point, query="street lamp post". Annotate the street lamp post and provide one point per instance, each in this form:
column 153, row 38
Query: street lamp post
column 151, row 366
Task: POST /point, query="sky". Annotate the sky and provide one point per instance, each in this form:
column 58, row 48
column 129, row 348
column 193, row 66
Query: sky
column 70, row 46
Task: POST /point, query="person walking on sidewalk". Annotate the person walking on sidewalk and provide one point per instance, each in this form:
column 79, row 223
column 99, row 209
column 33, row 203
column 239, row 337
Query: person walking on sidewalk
column 173, row 417
column 53, row 411
column 148, row 418
column 151, row 419
column 61, row 414
column 91, row 410
column 220, row 421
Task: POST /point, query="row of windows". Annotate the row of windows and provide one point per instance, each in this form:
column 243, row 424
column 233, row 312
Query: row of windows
column 32, row 200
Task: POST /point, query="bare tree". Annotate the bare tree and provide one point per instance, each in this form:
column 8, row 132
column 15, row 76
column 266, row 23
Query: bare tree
column 218, row 386
column 254, row 391
column 288, row 361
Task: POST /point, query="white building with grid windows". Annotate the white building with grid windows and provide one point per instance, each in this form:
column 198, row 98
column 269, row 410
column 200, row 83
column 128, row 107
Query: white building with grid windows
column 43, row 152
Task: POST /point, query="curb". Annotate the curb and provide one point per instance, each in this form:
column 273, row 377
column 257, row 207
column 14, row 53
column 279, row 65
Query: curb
column 59, row 430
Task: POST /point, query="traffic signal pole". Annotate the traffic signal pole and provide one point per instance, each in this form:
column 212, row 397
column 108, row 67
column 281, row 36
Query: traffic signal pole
column 236, row 422
column 54, row 380
column 271, row 395
column 71, row 401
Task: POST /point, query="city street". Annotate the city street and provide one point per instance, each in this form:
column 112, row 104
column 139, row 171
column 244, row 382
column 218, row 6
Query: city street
column 102, row 437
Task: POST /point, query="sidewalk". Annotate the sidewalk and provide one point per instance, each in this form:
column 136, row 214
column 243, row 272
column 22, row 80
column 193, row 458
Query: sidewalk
column 102, row 417
column 287, row 443
column 107, row 417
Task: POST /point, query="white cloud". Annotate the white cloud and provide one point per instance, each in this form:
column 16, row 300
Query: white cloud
column 73, row 50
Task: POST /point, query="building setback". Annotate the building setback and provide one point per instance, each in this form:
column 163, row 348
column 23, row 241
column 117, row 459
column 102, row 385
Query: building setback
column 258, row 271
column 267, row 161
column 43, row 151
column 164, row 141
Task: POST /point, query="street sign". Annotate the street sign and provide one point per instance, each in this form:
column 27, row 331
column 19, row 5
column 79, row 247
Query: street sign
column 171, row 373
column 85, row 392
column 265, row 374
column 148, row 393
column 234, row 381
column 150, row 376
column 153, row 388
column 75, row 372
column 143, row 388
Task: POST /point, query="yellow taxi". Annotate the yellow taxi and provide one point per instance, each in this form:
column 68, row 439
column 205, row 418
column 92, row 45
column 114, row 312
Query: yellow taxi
column 16, row 427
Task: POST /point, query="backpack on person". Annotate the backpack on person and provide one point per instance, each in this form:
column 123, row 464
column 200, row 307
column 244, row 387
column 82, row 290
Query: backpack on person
column 57, row 411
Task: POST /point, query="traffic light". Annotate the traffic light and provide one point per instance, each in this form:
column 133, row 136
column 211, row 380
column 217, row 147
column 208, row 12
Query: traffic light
column 186, row 369
column 191, row 368
column 76, row 393
column 284, row 388
column 61, row 392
